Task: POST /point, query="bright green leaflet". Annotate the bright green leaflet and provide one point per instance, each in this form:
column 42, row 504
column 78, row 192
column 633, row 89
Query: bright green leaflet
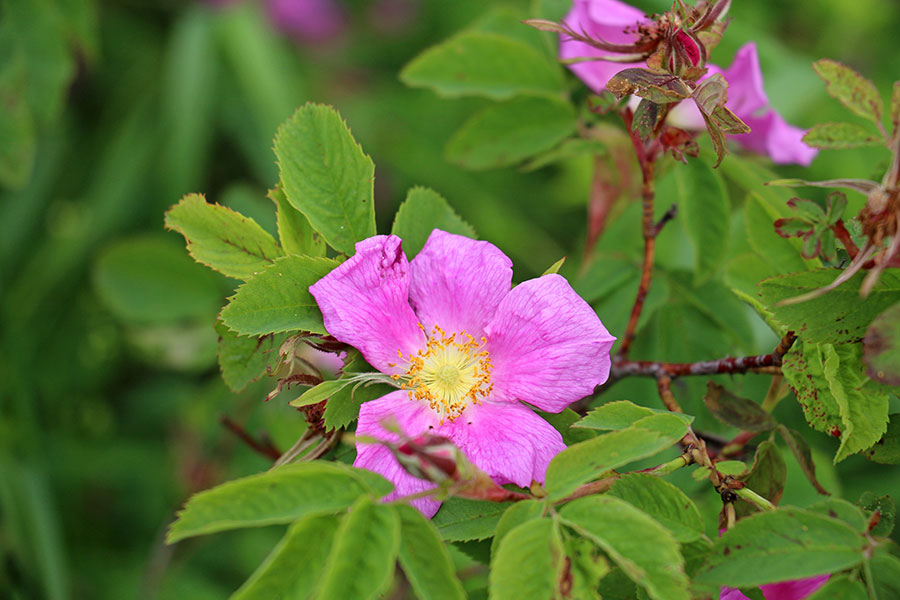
column 423, row 211
column 425, row 559
column 326, row 176
column 527, row 562
column 662, row 501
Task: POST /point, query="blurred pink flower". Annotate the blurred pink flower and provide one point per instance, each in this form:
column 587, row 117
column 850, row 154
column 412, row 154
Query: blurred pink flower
column 797, row 589
column 468, row 350
column 617, row 22
column 307, row 20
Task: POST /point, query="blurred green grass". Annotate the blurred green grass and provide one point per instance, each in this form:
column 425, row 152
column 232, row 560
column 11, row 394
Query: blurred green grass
column 108, row 413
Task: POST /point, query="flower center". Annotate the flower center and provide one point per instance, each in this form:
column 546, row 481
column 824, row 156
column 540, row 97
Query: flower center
column 450, row 373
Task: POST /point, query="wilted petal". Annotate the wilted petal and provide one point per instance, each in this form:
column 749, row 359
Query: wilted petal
column 365, row 303
column 507, row 441
column 457, row 283
column 413, row 418
column 604, row 19
column 547, row 345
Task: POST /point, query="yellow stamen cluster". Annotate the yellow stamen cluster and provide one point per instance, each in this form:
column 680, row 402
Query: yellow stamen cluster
column 451, row 372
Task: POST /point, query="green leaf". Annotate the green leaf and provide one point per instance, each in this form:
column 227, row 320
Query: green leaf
column 881, row 347
column 863, row 406
column 484, row 64
column 662, row 501
column 278, row 496
column 702, row 201
column 514, row 516
column 361, row 562
column 836, row 317
column 423, row 211
column 887, row 449
column 796, row 442
column 782, row 255
column 567, row 149
column 850, row 88
column 320, row 392
column 840, row 136
column 243, row 360
column 555, row 267
column 788, row 543
column 767, row 477
column 507, row 133
column 588, row 460
column 736, row 411
column 461, row 520
column 221, row 238
column 18, row 135
column 847, row 512
column 643, row 548
column 886, row 508
column 296, row 234
column 326, row 175
column 840, row 588
column 149, row 279
column 425, row 559
column 621, row 414
column 885, row 570
column 278, row 299
column 343, row 407
column 527, row 562
column 804, row 370
column 279, row 576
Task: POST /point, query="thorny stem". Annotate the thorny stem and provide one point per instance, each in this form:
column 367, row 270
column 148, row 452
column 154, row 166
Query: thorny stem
column 646, row 158
column 264, row 446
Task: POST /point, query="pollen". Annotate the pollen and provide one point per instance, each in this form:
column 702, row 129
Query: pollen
column 450, row 373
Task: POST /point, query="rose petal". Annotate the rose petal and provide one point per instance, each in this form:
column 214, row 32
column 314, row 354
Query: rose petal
column 365, row 303
column 507, row 441
column 796, row 589
column 414, row 418
column 746, row 94
column 457, row 283
column 547, row 345
column 604, row 19
column 307, row 20
column 770, row 134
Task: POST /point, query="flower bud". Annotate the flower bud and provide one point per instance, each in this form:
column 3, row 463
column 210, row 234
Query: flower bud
column 431, row 457
column 686, row 54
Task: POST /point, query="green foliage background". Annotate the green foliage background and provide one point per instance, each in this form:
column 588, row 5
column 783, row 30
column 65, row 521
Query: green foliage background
column 110, row 394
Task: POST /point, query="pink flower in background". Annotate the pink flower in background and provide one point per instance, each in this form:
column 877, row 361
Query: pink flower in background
column 797, row 589
column 308, row 20
column 469, row 351
column 617, row 22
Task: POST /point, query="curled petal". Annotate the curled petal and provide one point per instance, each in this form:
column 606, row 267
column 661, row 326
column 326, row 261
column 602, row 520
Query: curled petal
column 413, row 418
column 507, row 441
column 365, row 303
column 547, row 345
column 457, row 282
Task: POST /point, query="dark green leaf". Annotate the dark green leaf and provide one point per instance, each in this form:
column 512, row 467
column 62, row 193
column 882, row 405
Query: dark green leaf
column 326, row 176
column 850, row 88
column 887, row 449
column 423, row 211
column 767, row 477
column 788, row 543
column 837, row 508
column 643, row 548
column 425, row 559
column 736, row 411
column 151, row 280
column 278, row 299
column 278, row 496
column 460, row 519
column 507, row 133
column 483, row 64
column 343, row 406
column 662, row 501
column 243, row 360
column 886, row 508
column 279, row 576
column 527, row 562
column 840, row 136
column 361, row 562
column 886, row 575
column 881, row 347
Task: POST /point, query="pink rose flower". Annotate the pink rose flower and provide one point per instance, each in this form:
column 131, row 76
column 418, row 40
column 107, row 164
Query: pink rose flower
column 469, row 351
column 311, row 21
column 797, row 589
column 616, row 22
